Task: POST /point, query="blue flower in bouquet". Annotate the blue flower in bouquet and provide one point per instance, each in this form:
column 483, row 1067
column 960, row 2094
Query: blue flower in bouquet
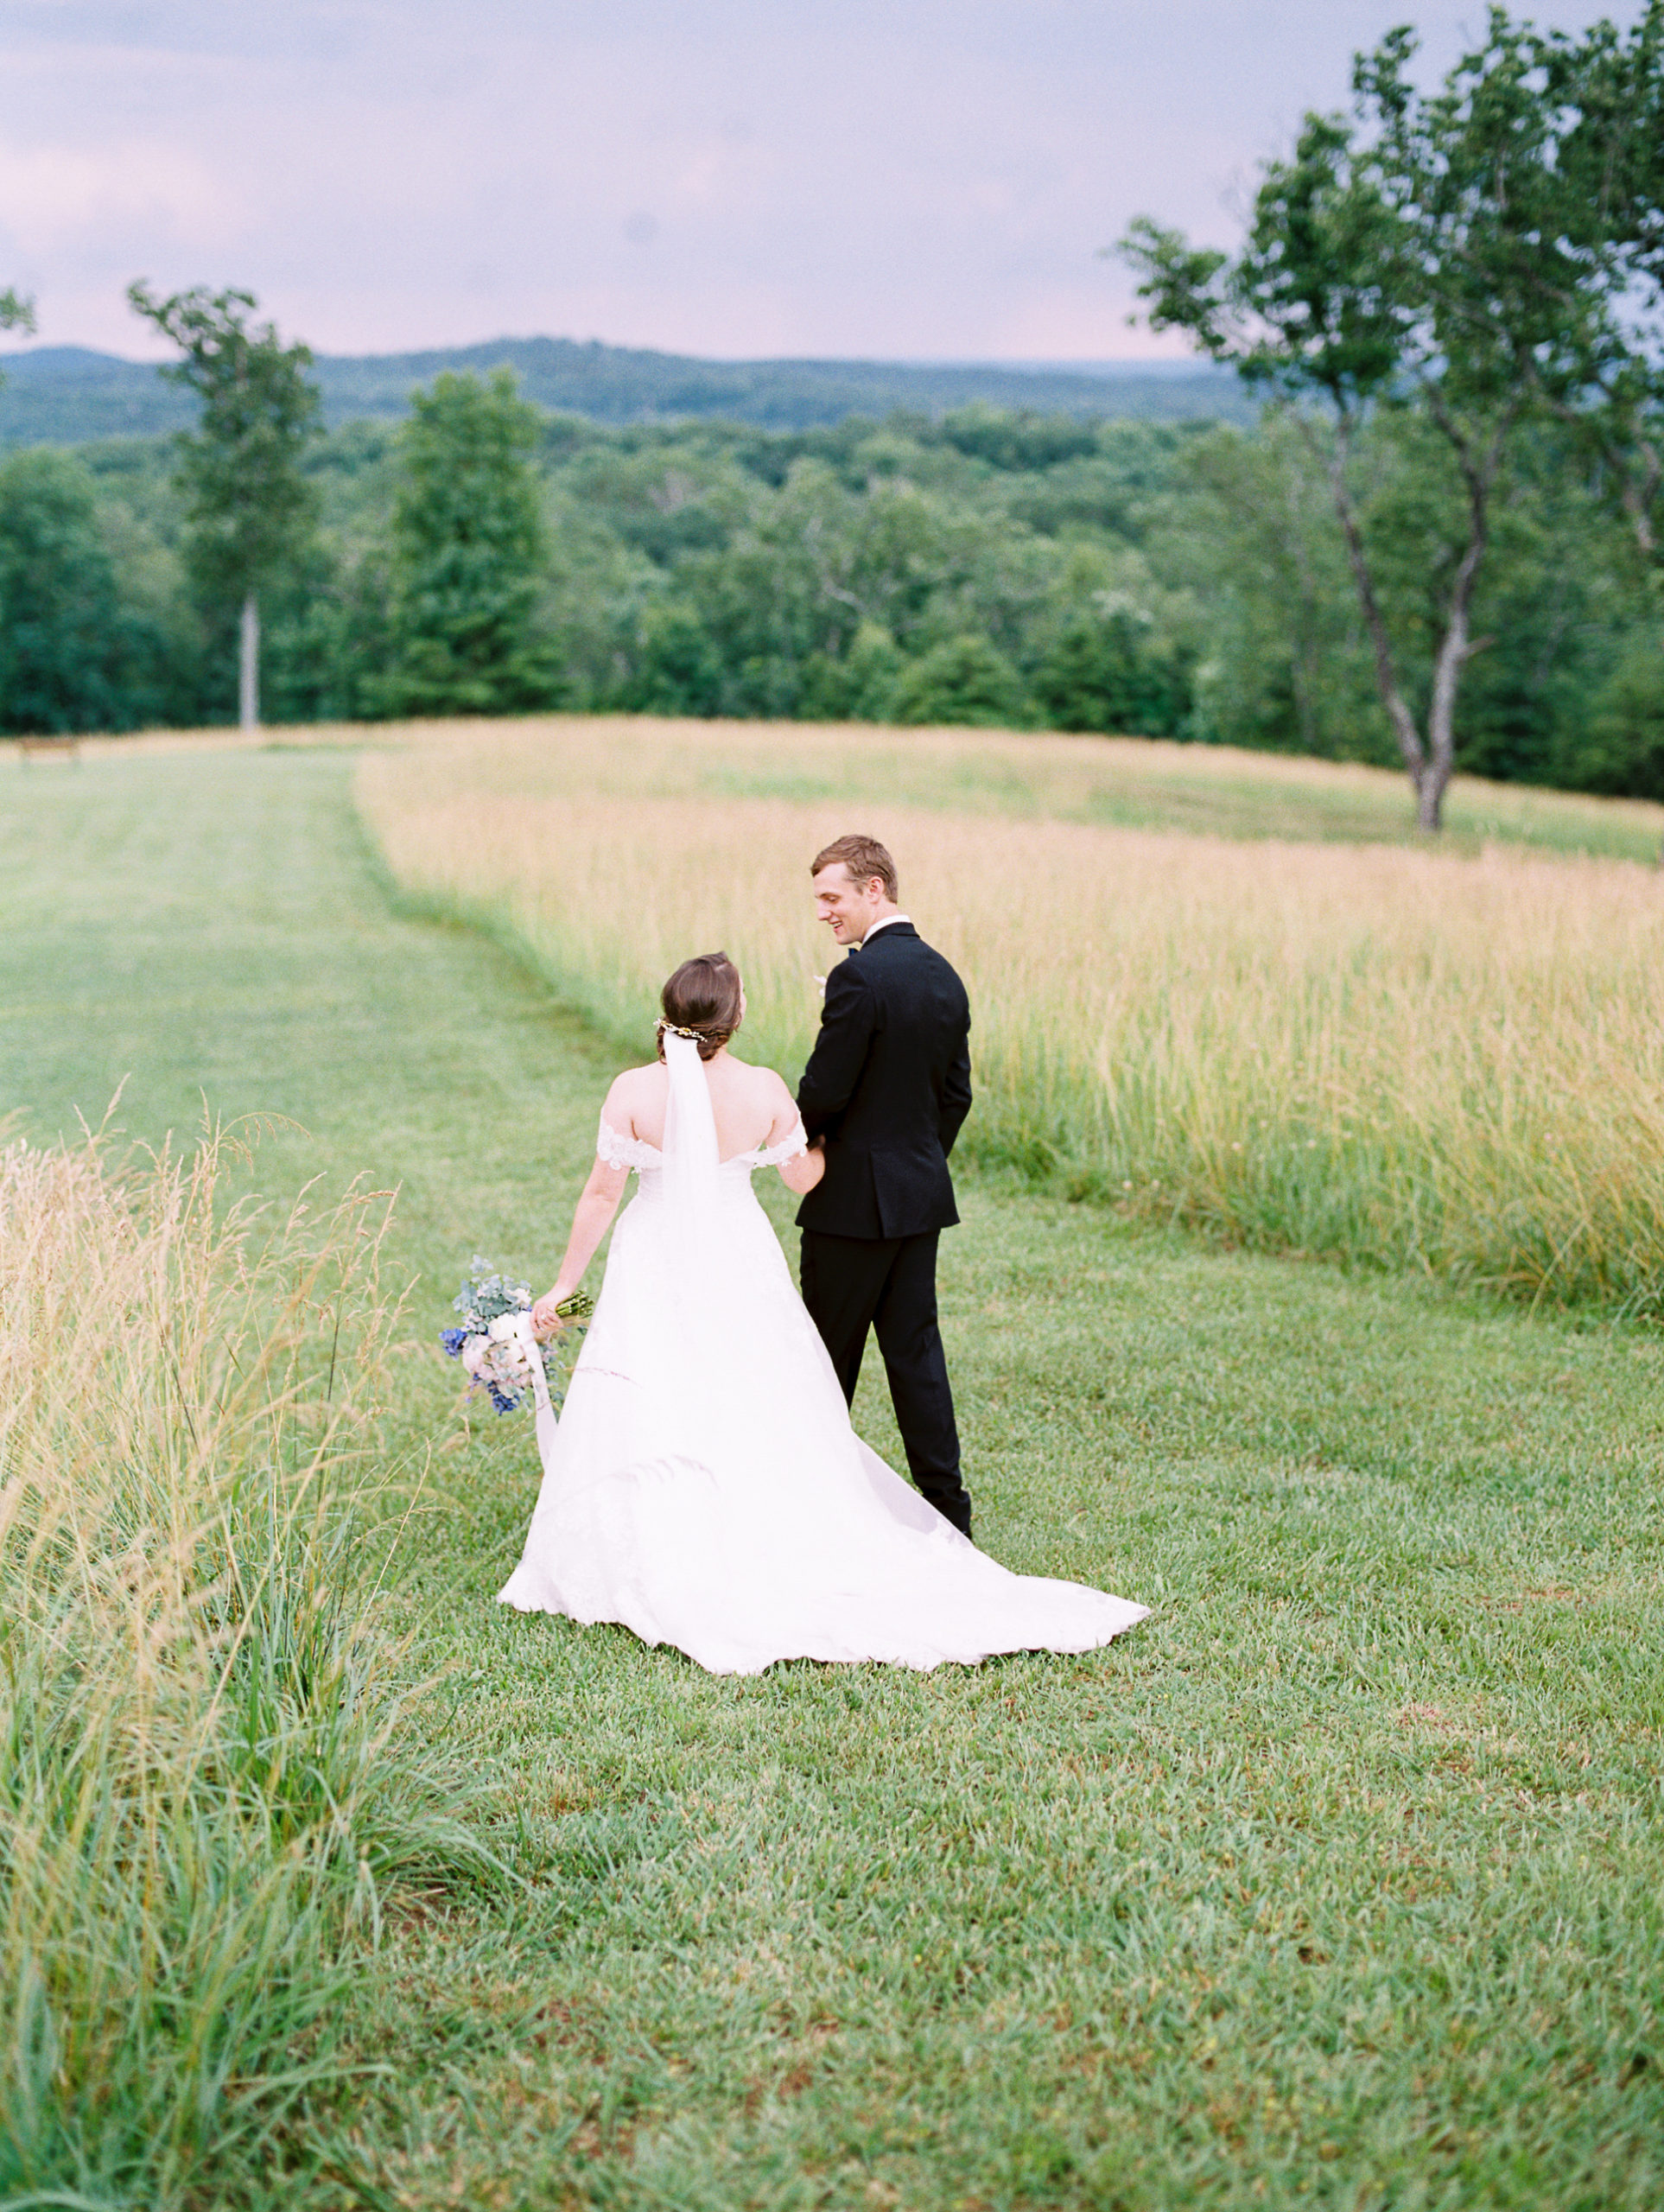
column 497, row 1359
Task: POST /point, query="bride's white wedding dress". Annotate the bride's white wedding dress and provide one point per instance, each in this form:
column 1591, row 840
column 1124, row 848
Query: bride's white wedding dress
column 704, row 1486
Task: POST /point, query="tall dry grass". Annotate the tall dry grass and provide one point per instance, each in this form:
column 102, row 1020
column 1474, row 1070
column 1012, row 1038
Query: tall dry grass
column 1127, row 783
column 1400, row 1057
column 202, row 1794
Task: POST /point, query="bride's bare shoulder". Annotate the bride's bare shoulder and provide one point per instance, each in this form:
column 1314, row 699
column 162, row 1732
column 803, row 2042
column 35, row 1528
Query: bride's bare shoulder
column 760, row 1079
column 633, row 1083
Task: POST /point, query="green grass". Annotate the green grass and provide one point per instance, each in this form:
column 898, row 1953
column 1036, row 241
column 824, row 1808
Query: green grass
column 1337, row 1883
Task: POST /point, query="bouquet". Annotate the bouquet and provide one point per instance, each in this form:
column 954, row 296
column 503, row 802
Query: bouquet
column 491, row 1343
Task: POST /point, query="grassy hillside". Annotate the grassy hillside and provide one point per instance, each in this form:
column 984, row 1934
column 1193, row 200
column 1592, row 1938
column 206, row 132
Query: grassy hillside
column 1337, row 1884
column 1123, row 783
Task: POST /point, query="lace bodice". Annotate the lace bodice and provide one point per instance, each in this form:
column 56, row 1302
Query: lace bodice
column 614, row 1150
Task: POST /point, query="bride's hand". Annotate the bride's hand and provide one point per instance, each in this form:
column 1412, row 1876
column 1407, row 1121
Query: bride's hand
column 545, row 1321
column 803, row 1172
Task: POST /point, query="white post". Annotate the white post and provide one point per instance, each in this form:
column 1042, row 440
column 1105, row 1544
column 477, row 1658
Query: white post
column 248, row 687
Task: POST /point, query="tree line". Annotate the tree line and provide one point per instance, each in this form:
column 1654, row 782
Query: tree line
column 1186, row 582
column 1438, row 547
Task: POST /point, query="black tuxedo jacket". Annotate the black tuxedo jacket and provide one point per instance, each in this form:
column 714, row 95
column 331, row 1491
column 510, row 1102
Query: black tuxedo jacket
column 887, row 1086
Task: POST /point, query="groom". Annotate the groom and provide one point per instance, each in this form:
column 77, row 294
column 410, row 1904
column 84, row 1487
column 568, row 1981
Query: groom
column 885, row 1091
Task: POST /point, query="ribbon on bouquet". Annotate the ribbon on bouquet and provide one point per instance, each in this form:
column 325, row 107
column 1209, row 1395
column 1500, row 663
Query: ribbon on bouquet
column 521, row 1334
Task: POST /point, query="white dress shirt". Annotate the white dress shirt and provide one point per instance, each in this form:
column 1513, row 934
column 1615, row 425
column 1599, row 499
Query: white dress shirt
column 877, row 926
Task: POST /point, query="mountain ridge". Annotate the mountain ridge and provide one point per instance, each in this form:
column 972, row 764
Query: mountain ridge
column 72, row 394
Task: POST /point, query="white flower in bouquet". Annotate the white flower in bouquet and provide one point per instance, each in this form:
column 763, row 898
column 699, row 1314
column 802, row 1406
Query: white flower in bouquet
column 490, row 1340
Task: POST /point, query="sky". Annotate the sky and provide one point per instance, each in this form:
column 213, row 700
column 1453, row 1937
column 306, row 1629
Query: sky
column 905, row 179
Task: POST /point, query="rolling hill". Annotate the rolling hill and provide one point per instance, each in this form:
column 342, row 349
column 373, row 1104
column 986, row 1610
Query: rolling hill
column 67, row 394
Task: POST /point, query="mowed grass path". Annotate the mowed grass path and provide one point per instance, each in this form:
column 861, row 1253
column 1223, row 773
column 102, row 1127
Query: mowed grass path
column 1337, row 1883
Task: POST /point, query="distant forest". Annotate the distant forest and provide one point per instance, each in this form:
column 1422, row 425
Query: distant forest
column 977, row 565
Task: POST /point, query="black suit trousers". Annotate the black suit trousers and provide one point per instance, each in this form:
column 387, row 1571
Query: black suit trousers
column 888, row 1284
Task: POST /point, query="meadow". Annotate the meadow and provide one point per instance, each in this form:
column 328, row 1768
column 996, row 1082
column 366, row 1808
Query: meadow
column 1451, row 1061
column 1335, row 1885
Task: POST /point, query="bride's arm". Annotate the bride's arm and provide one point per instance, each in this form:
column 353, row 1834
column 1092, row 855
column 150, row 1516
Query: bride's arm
column 801, row 1174
column 597, row 1205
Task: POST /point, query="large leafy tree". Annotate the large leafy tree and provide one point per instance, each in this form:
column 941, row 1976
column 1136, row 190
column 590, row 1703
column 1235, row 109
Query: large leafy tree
column 965, row 682
column 251, row 505
column 1101, row 672
column 1420, row 252
column 470, row 557
column 59, row 618
column 1607, row 382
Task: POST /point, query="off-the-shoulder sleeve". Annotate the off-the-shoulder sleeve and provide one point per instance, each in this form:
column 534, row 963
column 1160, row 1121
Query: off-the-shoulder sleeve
column 789, row 1147
column 614, row 1150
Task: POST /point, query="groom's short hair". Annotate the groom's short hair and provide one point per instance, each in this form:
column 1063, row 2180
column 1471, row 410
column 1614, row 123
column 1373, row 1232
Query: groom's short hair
column 864, row 857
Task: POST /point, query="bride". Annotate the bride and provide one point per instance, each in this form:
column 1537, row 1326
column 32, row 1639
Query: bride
column 703, row 1486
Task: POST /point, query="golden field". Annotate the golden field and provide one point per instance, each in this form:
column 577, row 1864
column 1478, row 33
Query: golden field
column 1451, row 1060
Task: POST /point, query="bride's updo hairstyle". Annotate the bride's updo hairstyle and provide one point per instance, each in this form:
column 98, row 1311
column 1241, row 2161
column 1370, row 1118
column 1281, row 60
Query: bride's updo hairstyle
column 701, row 1001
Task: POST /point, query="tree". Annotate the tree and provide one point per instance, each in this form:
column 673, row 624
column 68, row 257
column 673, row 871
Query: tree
column 470, row 557
column 1101, row 671
column 1255, row 536
column 15, row 312
column 59, row 626
column 965, row 683
column 1624, row 740
column 1423, row 253
column 679, row 669
column 252, row 506
column 1608, row 384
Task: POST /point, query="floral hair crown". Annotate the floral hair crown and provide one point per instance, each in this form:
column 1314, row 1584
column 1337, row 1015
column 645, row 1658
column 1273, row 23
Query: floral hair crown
column 693, row 1036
